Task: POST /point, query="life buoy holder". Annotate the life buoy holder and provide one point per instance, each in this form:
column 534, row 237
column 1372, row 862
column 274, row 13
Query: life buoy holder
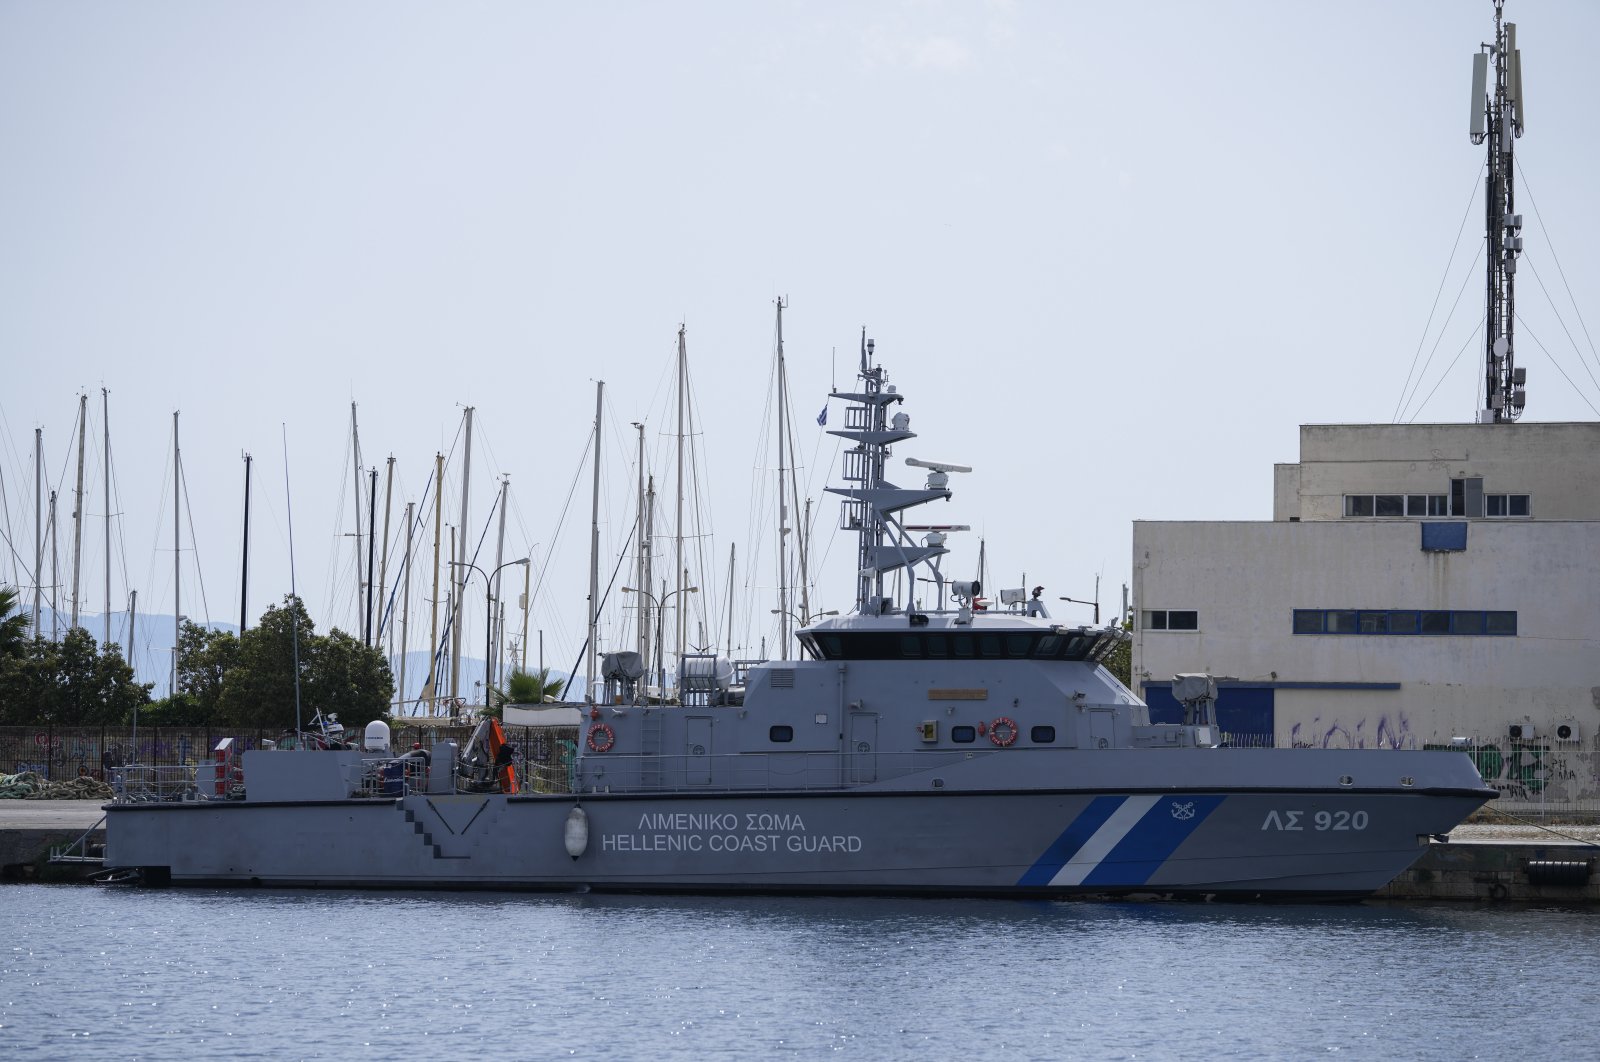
column 1002, row 740
column 601, row 737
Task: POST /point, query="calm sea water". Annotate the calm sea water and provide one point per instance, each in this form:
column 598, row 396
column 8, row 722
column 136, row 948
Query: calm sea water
column 89, row 973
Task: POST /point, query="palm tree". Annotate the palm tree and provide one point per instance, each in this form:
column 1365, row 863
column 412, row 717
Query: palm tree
column 528, row 687
column 13, row 624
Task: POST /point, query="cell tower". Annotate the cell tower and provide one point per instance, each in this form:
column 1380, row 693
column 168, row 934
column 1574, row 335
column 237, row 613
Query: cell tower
column 1497, row 119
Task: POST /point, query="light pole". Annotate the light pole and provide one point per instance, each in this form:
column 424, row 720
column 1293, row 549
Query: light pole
column 804, row 621
column 488, row 615
column 661, row 648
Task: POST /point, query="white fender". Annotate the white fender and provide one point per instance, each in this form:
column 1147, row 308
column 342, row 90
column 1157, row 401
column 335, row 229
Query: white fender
column 577, row 832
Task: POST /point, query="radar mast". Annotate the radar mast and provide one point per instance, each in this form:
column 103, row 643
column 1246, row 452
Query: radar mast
column 1497, row 120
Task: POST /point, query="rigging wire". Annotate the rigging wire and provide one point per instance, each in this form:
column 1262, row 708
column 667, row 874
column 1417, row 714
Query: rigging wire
column 1448, row 317
column 194, row 546
column 1472, row 194
column 1548, row 242
column 1446, row 374
column 1557, row 364
column 1576, row 349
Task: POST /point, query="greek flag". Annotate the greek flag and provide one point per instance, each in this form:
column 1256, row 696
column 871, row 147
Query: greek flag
column 822, row 418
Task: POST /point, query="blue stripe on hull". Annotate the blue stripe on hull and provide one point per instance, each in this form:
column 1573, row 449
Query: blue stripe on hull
column 1150, row 843
column 1074, row 837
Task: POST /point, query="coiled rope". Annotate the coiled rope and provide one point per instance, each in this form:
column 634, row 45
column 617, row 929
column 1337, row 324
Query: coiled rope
column 31, row 785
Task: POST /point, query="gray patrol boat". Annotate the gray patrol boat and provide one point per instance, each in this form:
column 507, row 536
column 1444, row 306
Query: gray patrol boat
column 954, row 750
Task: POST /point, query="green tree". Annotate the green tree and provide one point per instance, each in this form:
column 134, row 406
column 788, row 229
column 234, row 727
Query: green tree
column 350, row 679
column 337, row 674
column 259, row 689
column 204, row 657
column 178, row 710
column 13, row 624
column 69, row 683
column 1120, row 660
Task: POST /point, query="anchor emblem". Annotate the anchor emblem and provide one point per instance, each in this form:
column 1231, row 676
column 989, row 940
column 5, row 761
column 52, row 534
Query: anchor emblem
column 1183, row 811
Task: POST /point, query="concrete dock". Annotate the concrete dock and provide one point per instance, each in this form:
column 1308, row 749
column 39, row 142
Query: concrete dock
column 1486, row 863
column 29, row 828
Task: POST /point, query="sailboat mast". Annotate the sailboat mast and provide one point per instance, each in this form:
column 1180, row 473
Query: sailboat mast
column 731, row 548
column 372, row 543
column 677, row 568
column 105, row 425
column 527, row 589
column 244, row 575
column 460, row 554
column 594, row 545
column 491, row 668
column 77, row 505
column 642, row 546
column 804, row 549
column 355, row 493
column 38, row 525
column 431, row 686
column 650, row 571
column 405, row 607
column 177, row 567
column 383, row 558
column 55, row 576
column 783, row 506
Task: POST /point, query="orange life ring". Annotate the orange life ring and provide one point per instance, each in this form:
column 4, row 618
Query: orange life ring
column 994, row 732
column 601, row 738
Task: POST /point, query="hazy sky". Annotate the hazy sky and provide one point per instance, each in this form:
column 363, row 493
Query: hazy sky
column 1114, row 253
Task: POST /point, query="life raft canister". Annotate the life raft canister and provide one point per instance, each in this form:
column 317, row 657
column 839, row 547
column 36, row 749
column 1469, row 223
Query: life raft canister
column 601, row 738
column 1009, row 737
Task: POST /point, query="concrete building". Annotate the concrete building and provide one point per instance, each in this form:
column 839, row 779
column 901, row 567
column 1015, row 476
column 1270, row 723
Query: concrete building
column 1417, row 583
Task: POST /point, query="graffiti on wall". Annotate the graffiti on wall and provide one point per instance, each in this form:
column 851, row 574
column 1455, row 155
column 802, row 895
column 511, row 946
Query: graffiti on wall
column 1523, row 771
column 1389, row 732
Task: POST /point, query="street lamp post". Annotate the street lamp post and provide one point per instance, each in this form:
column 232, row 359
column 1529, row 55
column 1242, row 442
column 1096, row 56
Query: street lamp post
column 804, row 621
column 488, row 616
column 661, row 648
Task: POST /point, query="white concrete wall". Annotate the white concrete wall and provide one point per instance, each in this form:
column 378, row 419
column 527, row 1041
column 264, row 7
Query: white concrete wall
column 1558, row 465
column 1245, row 579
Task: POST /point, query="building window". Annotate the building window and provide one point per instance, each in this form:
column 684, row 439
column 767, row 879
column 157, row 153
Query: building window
column 1173, row 619
column 1505, row 505
column 1464, row 622
column 1390, row 506
column 1308, row 621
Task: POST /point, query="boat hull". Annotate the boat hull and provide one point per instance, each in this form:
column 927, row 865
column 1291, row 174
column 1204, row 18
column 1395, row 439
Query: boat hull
column 1257, row 844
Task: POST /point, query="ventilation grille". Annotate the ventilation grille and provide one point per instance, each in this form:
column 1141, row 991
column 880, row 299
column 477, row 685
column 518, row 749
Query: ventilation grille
column 782, row 678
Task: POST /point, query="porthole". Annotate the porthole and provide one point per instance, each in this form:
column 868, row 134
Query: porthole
column 1042, row 735
column 780, row 733
column 1346, row 780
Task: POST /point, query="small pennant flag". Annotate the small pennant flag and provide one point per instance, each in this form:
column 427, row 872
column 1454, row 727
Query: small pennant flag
column 822, row 418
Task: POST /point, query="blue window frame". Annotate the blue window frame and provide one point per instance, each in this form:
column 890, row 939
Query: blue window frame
column 1468, row 623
